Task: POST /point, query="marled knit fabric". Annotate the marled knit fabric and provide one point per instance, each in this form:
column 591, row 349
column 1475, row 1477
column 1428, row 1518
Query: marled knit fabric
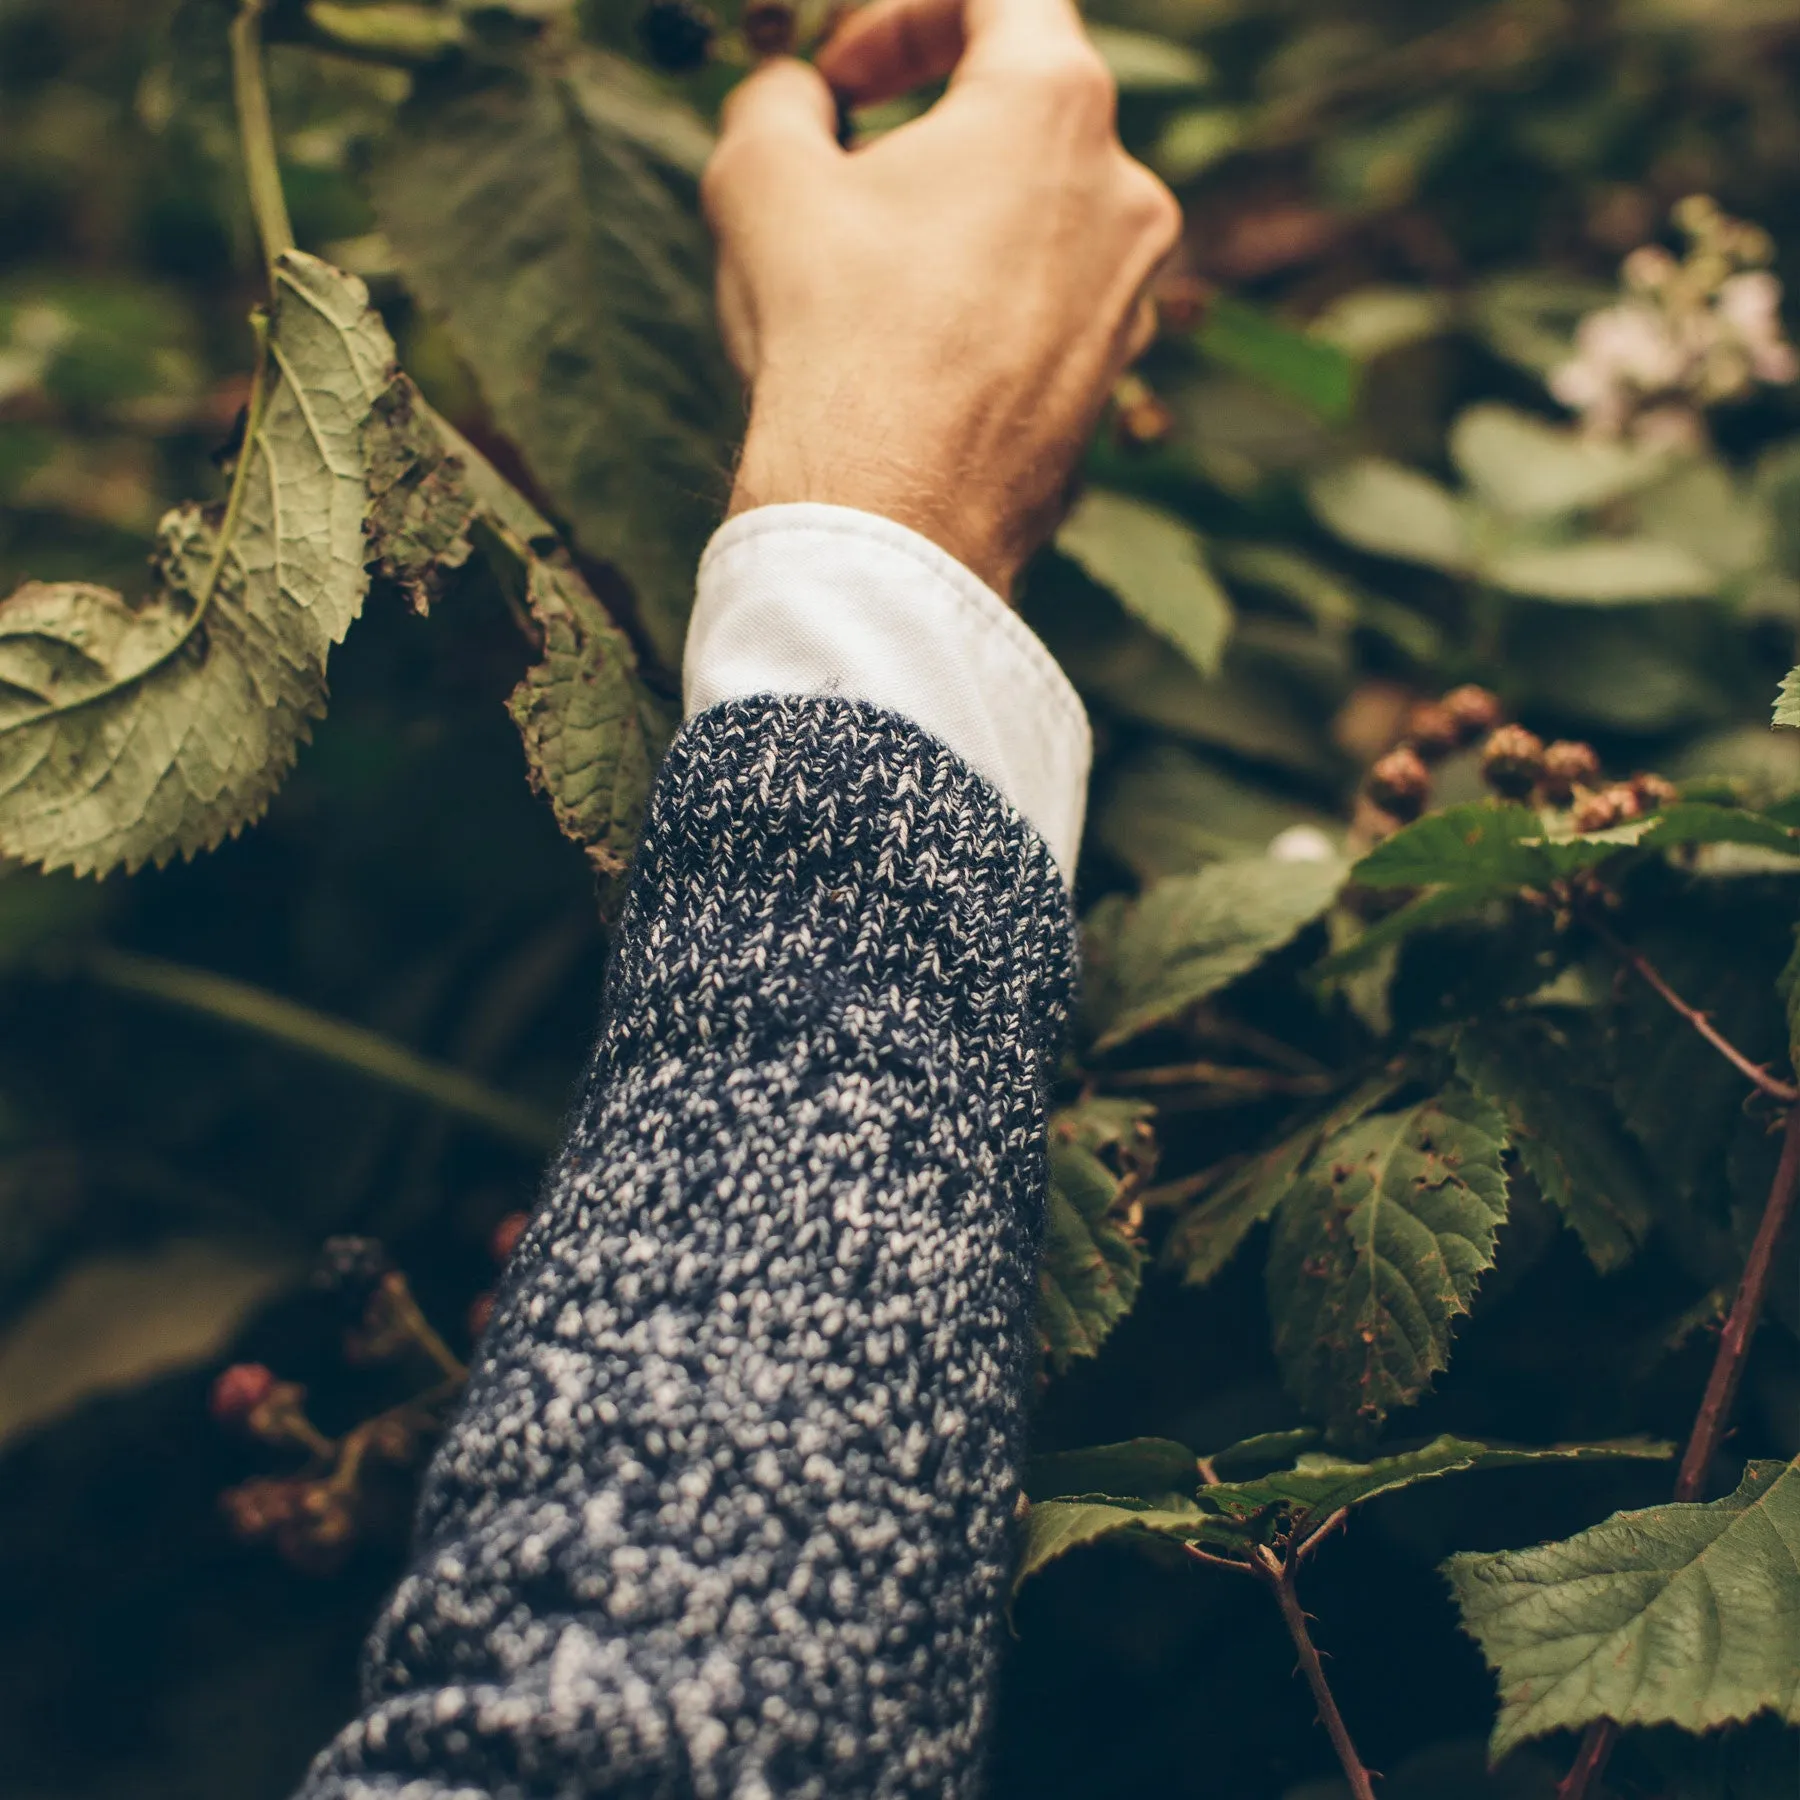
column 728, row 1509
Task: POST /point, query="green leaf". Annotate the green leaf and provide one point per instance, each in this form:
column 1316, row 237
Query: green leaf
column 132, row 733
column 1787, row 699
column 1207, row 1236
column 1142, row 63
column 1319, row 1484
column 1564, row 1126
column 1441, row 906
column 1311, row 370
column 1602, row 571
column 1681, row 1615
column 1532, row 469
column 1088, row 1277
column 1292, row 1503
column 114, row 1322
column 1144, row 1468
column 1055, row 1527
column 1156, row 567
column 1166, row 811
column 1482, row 845
column 1392, row 510
column 549, row 218
column 1151, row 959
column 585, row 717
column 1377, row 1250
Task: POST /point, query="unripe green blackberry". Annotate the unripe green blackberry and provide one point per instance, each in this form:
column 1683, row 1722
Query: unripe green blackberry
column 677, row 35
column 1512, row 761
column 1400, row 784
column 1569, row 765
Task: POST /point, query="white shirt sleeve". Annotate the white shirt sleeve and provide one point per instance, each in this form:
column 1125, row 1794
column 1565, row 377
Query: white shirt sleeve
column 811, row 599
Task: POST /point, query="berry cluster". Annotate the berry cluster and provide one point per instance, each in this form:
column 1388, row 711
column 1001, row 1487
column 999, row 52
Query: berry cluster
column 681, row 36
column 314, row 1517
column 1516, row 763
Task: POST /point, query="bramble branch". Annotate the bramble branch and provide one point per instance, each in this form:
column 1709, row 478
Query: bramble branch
column 331, row 1040
column 1754, row 1073
column 1715, row 1405
column 1277, row 1573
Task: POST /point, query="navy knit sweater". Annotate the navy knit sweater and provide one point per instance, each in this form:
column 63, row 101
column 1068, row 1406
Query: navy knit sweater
column 727, row 1511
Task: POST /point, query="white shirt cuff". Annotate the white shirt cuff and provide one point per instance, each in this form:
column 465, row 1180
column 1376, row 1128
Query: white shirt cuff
column 811, row 599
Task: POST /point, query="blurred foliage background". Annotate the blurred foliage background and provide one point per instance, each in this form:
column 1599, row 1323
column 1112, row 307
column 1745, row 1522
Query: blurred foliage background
column 1399, row 215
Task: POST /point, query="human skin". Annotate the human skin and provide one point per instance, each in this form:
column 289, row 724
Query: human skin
column 930, row 324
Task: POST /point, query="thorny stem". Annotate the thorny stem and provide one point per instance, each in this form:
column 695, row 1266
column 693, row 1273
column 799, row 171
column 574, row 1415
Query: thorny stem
column 256, row 133
column 1715, row 1405
column 331, row 1040
column 1760, row 1077
column 1277, row 1575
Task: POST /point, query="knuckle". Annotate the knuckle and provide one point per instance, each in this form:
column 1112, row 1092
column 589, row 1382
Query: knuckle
column 1153, row 213
column 1077, row 77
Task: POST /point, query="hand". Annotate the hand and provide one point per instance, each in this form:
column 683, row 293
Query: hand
column 931, row 324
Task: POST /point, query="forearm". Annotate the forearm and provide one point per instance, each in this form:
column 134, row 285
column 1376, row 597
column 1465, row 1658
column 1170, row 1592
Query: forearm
column 728, row 1509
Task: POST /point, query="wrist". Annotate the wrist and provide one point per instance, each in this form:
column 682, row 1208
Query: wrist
column 781, row 465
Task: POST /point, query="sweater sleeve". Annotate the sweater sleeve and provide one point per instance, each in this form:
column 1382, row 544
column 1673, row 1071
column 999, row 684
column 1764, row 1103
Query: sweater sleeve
column 727, row 1511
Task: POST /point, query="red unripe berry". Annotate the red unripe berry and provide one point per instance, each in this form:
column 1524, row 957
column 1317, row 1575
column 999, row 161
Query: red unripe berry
column 1567, row 766
column 1474, row 709
column 1400, row 784
column 1512, row 761
column 1653, row 791
column 1433, row 729
column 504, row 1239
column 239, row 1391
column 481, row 1310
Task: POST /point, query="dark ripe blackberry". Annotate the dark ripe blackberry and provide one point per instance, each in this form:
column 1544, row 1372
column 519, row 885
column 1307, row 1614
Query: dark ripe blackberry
column 677, row 35
column 350, row 1268
column 769, row 27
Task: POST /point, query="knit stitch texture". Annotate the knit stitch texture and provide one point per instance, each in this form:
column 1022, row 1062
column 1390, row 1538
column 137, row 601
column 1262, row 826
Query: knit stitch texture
column 727, row 1511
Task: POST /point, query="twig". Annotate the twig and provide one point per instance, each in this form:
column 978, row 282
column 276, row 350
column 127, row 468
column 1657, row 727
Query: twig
column 1760, row 1077
column 1279, row 1576
column 1715, row 1405
column 1212, row 1074
column 1741, row 1322
column 256, row 132
column 317, row 1034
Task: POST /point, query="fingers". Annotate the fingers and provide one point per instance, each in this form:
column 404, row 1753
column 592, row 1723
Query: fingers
column 775, row 122
column 894, row 46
